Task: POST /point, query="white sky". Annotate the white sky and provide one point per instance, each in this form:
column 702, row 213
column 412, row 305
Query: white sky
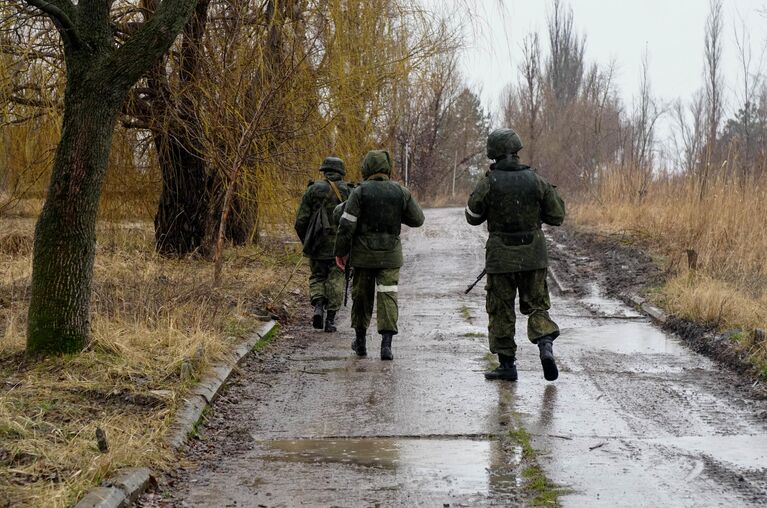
column 671, row 30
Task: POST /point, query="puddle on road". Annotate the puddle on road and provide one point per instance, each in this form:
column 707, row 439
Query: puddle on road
column 623, row 338
column 461, row 466
column 606, row 307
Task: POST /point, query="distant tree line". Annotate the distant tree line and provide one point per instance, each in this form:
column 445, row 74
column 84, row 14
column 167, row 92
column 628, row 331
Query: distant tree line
column 576, row 127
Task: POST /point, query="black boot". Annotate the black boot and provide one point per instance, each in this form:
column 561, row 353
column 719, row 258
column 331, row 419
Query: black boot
column 386, row 346
column 358, row 344
column 319, row 310
column 330, row 321
column 550, row 371
column 506, row 370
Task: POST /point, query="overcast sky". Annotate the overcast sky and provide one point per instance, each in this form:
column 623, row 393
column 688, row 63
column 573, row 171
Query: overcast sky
column 619, row 30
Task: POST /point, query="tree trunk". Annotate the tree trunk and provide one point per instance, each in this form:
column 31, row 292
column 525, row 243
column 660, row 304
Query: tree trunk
column 182, row 214
column 99, row 76
column 65, row 235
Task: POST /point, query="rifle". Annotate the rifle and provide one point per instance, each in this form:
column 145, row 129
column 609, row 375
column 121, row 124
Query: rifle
column 348, row 274
column 475, row 282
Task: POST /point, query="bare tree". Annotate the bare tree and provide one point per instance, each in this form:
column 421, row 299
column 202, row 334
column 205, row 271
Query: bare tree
column 532, row 98
column 747, row 116
column 713, row 80
column 689, row 135
column 564, row 68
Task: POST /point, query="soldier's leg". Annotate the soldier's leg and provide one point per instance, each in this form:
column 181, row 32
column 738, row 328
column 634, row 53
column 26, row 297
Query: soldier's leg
column 334, row 294
column 501, row 291
column 317, row 278
column 387, row 281
column 541, row 330
column 363, row 294
column 387, row 290
column 535, row 303
column 334, row 287
column 319, row 275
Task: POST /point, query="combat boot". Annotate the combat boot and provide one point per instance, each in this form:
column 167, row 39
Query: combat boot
column 319, row 310
column 358, row 344
column 386, row 346
column 506, row 371
column 550, row 371
column 330, row 321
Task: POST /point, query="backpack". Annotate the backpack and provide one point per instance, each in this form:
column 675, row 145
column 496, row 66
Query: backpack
column 319, row 224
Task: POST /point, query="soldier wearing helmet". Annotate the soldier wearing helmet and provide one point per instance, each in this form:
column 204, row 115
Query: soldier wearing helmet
column 515, row 201
column 369, row 238
column 317, row 230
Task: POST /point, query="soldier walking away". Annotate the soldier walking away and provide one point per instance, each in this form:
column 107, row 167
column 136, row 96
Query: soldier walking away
column 368, row 238
column 317, row 230
column 515, row 201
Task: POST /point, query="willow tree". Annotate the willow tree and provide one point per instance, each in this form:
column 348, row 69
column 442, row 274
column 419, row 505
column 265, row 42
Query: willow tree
column 100, row 73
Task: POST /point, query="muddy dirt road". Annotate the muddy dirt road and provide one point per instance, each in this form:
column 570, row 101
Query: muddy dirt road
column 635, row 419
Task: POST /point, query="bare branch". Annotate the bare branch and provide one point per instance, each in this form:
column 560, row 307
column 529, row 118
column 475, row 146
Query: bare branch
column 24, row 101
column 60, row 19
column 150, row 41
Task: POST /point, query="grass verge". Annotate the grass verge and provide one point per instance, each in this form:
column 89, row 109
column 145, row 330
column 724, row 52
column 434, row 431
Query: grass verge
column 711, row 240
column 157, row 324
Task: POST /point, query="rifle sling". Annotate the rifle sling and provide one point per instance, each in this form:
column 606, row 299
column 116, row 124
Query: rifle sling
column 335, row 189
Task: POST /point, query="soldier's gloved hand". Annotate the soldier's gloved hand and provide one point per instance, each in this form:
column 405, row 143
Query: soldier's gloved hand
column 341, row 262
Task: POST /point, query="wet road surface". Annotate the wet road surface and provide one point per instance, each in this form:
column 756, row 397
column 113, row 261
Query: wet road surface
column 635, row 419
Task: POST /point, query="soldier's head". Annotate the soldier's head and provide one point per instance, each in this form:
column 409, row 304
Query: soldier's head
column 333, row 165
column 376, row 161
column 502, row 143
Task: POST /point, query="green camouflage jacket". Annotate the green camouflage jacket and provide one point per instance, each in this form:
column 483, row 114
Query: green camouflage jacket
column 515, row 201
column 372, row 218
column 319, row 194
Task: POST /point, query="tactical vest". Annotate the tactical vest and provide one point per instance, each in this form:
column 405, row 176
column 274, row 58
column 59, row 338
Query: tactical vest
column 513, row 210
column 382, row 202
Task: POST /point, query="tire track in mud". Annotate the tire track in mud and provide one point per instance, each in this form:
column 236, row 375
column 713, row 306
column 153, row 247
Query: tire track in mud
column 682, row 430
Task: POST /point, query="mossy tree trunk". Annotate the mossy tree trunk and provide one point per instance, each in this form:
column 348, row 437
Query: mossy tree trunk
column 99, row 76
column 189, row 209
column 182, row 213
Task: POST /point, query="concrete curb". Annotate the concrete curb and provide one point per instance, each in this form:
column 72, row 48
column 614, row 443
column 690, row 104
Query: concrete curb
column 119, row 491
column 209, row 387
column 558, row 281
column 651, row 310
column 122, row 489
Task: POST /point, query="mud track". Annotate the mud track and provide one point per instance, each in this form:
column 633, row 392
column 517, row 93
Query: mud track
column 635, row 419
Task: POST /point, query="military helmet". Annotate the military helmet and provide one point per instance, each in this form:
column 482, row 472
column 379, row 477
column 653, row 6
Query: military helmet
column 376, row 161
column 502, row 142
column 333, row 164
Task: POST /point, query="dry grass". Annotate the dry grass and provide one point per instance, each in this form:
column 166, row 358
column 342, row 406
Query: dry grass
column 725, row 227
column 150, row 316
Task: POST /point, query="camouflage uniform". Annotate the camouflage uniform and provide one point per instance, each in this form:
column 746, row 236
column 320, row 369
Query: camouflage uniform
column 515, row 201
column 369, row 232
column 326, row 280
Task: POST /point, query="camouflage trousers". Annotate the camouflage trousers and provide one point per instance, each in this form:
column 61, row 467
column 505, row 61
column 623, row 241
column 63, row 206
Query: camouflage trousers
column 326, row 283
column 367, row 282
column 534, row 302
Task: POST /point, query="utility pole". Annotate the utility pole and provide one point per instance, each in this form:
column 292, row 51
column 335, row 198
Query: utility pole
column 455, row 165
column 407, row 148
